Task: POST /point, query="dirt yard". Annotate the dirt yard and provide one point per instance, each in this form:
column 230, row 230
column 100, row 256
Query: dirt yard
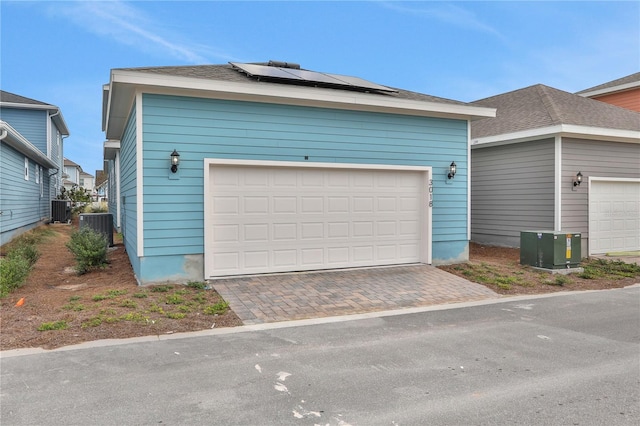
column 102, row 304
column 108, row 304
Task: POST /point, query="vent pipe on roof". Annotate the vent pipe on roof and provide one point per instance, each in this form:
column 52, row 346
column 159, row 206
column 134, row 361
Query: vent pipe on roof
column 284, row 64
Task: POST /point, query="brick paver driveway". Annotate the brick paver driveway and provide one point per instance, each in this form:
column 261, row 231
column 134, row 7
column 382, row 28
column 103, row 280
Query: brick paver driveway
column 283, row 297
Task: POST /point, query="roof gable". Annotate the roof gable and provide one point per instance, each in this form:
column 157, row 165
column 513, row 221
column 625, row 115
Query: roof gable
column 228, row 73
column 225, row 83
column 619, row 84
column 12, row 98
column 540, row 106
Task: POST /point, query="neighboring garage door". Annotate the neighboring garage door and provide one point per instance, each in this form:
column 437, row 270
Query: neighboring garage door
column 281, row 217
column 614, row 216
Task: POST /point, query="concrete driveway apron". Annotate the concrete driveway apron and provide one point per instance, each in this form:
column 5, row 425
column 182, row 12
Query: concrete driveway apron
column 293, row 296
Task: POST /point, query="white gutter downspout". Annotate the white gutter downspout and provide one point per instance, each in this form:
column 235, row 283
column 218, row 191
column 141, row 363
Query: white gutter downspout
column 557, row 210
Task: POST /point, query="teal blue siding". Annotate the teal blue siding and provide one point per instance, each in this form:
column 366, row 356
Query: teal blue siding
column 128, row 191
column 32, row 124
column 21, row 204
column 25, row 203
column 204, row 128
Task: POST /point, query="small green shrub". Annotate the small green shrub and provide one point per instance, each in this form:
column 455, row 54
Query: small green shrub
column 26, row 250
column 142, row 295
column 197, row 285
column 89, row 248
column 200, row 298
column 174, row 299
column 176, row 315
column 559, row 280
column 12, row 274
column 128, row 303
column 135, row 317
column 76, row 307
column 16, row 265
column 156, row 308
column 216, row 309
column 160, row 289
column 92, row 322
column 57, row 325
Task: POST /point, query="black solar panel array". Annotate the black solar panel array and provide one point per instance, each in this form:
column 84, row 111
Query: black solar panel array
column 295, row 75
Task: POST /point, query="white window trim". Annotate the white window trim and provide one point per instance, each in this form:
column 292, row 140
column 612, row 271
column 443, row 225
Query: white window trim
column 26, row 168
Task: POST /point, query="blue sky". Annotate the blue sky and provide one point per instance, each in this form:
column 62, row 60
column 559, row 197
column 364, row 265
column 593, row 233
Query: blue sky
column 61, row 52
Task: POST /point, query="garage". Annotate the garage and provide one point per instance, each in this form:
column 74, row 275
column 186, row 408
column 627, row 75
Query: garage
column 272, row 216
column 614, row 215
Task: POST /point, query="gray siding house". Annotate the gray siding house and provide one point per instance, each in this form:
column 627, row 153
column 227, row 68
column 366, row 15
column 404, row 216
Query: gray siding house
column 552, row 160
column 31, row 153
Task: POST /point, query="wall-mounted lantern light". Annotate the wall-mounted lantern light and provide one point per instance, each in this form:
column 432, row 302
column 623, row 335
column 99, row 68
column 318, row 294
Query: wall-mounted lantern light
column 175, row 160
column 452, row 170
column 578, row 180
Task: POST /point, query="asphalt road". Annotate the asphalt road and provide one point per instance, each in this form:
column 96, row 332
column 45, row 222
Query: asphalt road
column 560, row 360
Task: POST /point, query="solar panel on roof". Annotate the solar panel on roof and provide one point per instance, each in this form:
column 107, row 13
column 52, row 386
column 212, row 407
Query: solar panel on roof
column 264, row 71
column 357, row 81
column 316, row 77
column 300, row 76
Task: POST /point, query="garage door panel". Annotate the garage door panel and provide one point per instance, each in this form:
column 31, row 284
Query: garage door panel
column 614, row 216
column 306, row 218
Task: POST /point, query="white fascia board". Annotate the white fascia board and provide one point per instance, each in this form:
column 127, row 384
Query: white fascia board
column 14, row 139
column 609, row 90
column 564, row 130
column 126, row 82
column 601, row 133
column 110, row 148
column 17, row 105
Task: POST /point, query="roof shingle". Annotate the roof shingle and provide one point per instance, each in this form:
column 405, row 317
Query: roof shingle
column 540, row 106
column 228, row 73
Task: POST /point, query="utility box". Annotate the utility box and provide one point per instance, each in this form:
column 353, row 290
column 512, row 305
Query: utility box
column 60, row 211
column 99, row 222
column 550, row 249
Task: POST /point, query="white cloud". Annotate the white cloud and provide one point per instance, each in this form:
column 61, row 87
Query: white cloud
column 131, row 26
column 444, row 12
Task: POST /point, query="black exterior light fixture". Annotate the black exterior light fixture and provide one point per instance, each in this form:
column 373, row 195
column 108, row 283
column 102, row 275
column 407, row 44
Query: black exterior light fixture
column 175, row 160
column 578, row 180
column 452, row 170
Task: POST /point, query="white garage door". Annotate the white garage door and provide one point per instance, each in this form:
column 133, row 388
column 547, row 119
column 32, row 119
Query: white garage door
column 279, row 218
column 614, row 216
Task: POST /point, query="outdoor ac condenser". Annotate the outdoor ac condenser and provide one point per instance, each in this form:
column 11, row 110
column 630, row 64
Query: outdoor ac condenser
column 60, row 211
column 99, row 222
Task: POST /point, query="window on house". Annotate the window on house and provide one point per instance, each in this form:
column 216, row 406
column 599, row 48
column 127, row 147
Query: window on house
column 81, row 181
column 41, row 181
column 37, row 174
column 26, row 168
